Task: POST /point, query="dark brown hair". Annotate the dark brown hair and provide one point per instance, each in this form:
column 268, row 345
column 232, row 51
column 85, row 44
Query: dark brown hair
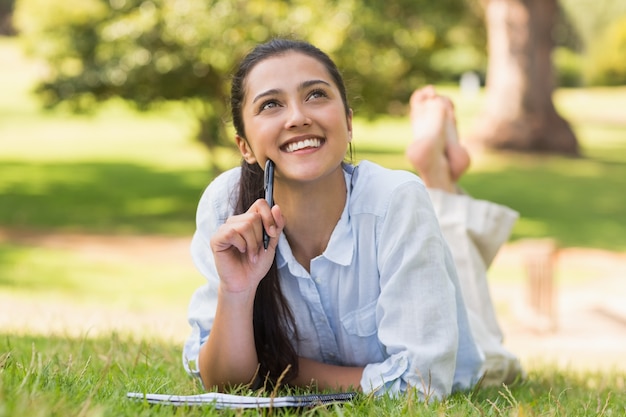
column 274, row 324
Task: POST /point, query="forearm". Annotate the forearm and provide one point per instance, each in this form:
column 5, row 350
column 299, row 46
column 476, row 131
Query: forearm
column 229, row 356
column 328, row 377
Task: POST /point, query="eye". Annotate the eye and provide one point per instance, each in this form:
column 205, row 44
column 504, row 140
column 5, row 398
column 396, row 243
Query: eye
column 267, row 105
column 317, row 93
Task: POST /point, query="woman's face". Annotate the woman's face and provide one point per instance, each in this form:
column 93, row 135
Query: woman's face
column 294, row 115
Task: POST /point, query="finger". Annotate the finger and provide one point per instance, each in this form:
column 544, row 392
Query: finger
column 249, row 227
column 228, row 237
column 268, row 223
column 268, row 219
column 252, row 232
column 279, row 225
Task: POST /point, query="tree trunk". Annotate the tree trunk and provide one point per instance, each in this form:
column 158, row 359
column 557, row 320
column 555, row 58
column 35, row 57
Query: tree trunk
column 519, row 113
column 6, row 18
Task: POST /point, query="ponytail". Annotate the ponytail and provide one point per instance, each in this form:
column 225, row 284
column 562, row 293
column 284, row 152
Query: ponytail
column 272, row 318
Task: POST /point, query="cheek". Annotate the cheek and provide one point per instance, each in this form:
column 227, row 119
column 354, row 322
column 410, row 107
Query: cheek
column 260, row 135
column 259, row 131
column 342, row 126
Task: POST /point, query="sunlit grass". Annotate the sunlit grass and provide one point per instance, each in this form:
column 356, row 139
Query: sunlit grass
column 160, row 139
column 41, row 272
column 91, row 376
column 600, row 105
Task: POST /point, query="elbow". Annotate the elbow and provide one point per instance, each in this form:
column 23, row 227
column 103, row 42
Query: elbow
column 211, row 383
column 220, row 377
column 227, row 364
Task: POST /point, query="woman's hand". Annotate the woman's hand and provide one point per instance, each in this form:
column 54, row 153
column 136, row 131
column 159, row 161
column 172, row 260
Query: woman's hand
column 229, row 356
column 237, row 246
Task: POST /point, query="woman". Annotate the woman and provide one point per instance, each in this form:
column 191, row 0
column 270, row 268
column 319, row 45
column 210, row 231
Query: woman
column 357, row 288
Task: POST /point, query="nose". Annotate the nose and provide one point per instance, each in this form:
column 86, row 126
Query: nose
column 297, row 116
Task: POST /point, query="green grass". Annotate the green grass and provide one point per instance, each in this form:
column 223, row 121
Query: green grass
column 38, row 273
column 90, row 377
column 577, row 202
column 100, row 197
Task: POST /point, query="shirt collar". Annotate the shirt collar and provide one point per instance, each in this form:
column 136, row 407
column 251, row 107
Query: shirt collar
column 341, row 244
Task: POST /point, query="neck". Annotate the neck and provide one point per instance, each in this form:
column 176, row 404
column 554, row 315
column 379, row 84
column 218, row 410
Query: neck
column 311, row 212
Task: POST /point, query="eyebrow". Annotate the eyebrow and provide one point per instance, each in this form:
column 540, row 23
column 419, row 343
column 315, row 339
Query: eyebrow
column 302, row 86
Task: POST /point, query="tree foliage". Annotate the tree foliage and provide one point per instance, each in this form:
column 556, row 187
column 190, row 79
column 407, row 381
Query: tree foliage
column 150, row 51
column 607, row 65
column 592, row 17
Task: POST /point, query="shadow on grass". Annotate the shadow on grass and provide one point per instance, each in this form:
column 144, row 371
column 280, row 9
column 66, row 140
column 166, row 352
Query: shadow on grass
column 578, row 202
column 98, row 197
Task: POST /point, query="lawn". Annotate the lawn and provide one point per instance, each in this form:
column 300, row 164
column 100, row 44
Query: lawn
column 90, row 377
column 119, row 172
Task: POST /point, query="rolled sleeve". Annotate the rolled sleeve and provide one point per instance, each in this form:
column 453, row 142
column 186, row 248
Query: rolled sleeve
column 386, row 377
column 213, row 210
column 417, row 307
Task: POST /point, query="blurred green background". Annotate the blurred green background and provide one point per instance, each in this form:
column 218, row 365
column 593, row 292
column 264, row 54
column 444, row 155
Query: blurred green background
column 122, row 171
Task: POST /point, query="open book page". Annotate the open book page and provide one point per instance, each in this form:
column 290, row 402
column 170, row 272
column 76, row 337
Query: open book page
column 219, row 400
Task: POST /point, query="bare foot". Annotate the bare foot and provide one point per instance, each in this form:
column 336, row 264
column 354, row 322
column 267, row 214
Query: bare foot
column 458, row 157
column 435, row 151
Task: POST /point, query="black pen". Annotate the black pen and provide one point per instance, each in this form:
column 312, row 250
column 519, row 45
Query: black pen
column 268, row 186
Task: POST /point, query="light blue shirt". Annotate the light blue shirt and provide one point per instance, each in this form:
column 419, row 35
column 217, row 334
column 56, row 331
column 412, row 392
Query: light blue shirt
column 384, row 294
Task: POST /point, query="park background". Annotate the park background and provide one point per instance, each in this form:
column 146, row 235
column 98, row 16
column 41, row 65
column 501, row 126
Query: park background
column 98, row 197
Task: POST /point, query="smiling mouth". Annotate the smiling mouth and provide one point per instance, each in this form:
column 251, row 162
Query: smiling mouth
column 303, row 144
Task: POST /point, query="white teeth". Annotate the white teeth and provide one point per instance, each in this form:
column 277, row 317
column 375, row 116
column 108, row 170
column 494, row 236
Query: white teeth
column 307, row 143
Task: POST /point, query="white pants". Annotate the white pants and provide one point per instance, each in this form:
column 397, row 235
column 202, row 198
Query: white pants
column 475, row 230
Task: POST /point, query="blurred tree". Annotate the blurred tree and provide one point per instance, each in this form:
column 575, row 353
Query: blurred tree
column 150, row 51
column 390, row 47
column 519, row 113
